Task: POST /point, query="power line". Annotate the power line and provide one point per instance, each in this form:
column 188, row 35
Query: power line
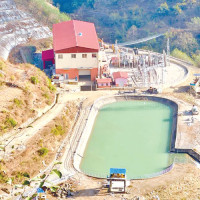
column 141, row 40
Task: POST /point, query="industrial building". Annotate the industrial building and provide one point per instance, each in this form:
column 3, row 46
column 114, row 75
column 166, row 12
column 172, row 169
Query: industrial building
column 76, row 49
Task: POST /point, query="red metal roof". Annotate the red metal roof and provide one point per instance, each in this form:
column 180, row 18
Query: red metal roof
column 48, row 54
column 120, row 75
column 104, row 80
column 75, row 33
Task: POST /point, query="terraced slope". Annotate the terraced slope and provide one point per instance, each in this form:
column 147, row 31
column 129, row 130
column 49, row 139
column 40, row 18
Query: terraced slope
column 18, row 27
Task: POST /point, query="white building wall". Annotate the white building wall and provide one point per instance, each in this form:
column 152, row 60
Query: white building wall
column 67, row 62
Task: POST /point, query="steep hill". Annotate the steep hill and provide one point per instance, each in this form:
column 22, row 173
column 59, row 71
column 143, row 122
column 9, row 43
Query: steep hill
column 43, row 11
column 24, row 91
column 126, row 20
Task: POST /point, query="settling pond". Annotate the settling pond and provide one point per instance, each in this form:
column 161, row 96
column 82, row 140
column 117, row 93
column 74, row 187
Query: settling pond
column 130, row 134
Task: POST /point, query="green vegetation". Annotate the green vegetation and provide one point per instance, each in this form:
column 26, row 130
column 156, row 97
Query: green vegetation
column 57, row 130
column 46, row 95
column 3, row 177
column 17, row 102
column 43, row 11
column 50, row 86
column 179, row 54
column 126, row 20
column 194, row 59
column 10, row 122
column 34, row 80
column 2, row 65
column 43, row 151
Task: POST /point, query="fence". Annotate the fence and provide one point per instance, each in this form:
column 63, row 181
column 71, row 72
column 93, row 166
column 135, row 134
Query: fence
column 88, row 88
column 144, row 176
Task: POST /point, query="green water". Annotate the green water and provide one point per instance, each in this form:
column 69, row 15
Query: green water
column 130, row 134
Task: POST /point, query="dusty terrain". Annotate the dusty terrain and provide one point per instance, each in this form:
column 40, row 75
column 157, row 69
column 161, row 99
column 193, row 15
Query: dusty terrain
column 180, row 183
column 183, row 177
column 24, row 90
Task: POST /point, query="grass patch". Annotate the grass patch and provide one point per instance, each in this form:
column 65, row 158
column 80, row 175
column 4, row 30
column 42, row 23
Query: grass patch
column 17, row 102
column 2, row 65
column 57, row 130
column 46, row 95
column 181, row 55
column 3, row 177
column 43, row 11
column 10, row 122
column 34, row 80
column 43, row 152
column 50, row 86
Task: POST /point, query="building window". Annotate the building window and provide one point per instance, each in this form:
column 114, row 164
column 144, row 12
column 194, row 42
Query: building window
column 73, row 55
column 84, row 55
column 94, row 55
column 60, row 56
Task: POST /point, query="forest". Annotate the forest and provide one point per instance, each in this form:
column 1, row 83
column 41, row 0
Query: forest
column 129, row 20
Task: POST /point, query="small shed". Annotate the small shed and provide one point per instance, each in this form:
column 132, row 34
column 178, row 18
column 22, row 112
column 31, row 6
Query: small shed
column 48, row 58
column 120, row 79
column 41, row 194
column 117, row 180
column 104, row 82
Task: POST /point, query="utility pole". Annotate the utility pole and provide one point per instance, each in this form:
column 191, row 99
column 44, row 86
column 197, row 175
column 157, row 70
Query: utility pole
column 164, row 65
column 168, row 52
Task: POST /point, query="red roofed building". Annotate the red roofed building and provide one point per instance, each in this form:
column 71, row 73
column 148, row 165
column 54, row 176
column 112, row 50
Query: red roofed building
column 76, row 49
column 48, row 58
column 120, row 78
column 103, row 82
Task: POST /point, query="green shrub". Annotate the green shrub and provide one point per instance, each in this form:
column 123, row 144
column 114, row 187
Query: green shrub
column 12, row 78
column 17, row 102
column 10, row 122
column 58, row 130
column 3, row 177
column 43, row 11
column 43, row 151
column 25, row 174
column 46, row 95
column 181, row 55
column 50, row 86
column 2, row 65
column 34, row 80
column 196, row 60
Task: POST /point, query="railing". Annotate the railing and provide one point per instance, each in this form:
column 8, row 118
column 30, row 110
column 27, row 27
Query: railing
column 98, row 174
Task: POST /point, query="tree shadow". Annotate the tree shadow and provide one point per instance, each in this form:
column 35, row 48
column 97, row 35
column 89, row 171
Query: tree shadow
column 182, row 89
column 87, row 192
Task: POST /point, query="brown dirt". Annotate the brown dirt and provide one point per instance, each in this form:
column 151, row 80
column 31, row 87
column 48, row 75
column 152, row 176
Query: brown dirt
column 182, row 182
column 15, row 83
column 29, row 160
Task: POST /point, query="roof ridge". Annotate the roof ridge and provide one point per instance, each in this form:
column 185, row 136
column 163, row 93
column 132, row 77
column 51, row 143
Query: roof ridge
column 75, row 32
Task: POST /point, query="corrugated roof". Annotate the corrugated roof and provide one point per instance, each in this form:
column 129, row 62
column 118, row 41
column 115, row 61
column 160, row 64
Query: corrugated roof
column 120, row 75
column 117, row 171
column 104, row 80
column 74, row 33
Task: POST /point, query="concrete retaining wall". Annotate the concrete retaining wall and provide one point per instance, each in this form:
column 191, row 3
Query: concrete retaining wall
column 111, row 99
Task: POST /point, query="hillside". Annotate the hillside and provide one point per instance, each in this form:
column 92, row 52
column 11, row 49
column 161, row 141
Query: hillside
column 24, row 20
column 27, row 89
column 43, row 11
column 125, row 20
